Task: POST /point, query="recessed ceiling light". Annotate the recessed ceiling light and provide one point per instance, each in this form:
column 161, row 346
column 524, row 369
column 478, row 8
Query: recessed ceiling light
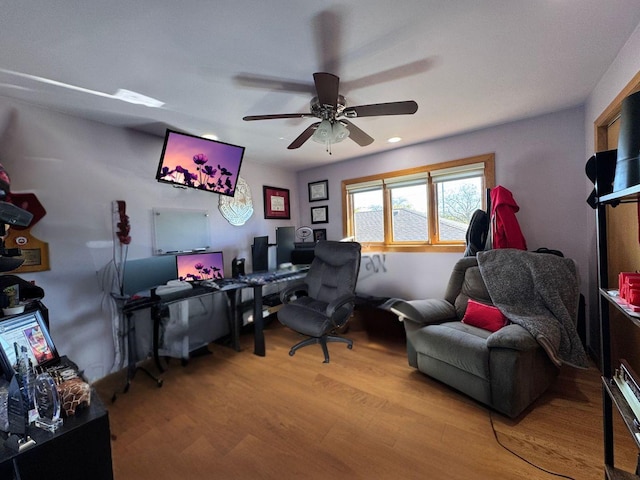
column 394, row 139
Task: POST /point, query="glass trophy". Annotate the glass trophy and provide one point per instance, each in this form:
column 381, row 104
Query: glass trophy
column 18, row 440
column 47, row 403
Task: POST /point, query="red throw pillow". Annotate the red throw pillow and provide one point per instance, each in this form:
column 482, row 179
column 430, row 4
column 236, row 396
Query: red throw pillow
column 484, row 316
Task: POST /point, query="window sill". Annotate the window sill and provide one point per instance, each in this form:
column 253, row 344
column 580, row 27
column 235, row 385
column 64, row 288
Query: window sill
column 381, row 248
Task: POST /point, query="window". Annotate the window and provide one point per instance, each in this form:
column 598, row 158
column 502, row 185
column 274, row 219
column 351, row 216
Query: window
column 419, row 209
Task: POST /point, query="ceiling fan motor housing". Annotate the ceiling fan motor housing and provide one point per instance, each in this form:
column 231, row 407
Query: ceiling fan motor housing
column 327, row 112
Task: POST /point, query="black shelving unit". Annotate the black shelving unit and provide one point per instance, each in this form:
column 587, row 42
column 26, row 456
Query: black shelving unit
column 612, row 397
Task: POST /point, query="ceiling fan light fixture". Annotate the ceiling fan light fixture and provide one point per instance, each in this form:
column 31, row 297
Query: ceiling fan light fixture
column 329, row 132
column 323, row 132
column 340, row 132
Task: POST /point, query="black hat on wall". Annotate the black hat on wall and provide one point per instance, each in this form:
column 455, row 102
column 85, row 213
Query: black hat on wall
column 628, row 162
column 600, row 169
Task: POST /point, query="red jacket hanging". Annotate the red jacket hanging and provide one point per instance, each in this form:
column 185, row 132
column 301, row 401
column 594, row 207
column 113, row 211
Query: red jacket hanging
column 505, row 228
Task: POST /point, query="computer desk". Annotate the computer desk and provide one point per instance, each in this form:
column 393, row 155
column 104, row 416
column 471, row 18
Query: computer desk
column 157, row 303
column 259, row 280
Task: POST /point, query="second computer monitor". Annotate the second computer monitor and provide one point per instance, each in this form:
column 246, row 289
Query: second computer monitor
column 260, row 254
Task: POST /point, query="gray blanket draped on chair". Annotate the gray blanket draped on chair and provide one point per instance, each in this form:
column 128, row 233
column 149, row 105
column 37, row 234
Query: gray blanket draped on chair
column 540, row 292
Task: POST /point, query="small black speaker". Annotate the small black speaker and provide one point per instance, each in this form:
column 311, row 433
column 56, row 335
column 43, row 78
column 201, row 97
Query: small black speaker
column 600, row 169
column 237, row 267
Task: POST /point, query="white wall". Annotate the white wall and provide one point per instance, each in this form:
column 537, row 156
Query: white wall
column 541, row 160
column 77, row 168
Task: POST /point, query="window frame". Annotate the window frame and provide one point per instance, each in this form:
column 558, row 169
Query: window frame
column 432, row 244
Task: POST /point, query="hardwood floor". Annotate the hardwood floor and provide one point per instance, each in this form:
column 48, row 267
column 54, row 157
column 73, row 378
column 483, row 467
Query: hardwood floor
column 365, row 415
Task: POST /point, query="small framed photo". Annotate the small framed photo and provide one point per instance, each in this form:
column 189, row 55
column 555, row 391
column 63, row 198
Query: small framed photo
column 276, row 203
column 319, row 191
column 320, row 214
column 319, row 234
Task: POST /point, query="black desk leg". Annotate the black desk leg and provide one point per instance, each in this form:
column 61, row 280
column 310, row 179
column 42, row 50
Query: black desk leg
column 236, row 318
column 156, row 316
column 132, row 356
column 258, row 322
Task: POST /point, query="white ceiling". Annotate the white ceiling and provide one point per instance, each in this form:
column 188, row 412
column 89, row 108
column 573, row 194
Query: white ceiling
column 467, row 63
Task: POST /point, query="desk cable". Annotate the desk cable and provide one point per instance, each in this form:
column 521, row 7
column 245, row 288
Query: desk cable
column 495, row 435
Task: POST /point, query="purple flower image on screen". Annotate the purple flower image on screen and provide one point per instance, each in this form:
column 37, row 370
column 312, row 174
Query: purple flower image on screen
column 200, row 266
column 200, row 163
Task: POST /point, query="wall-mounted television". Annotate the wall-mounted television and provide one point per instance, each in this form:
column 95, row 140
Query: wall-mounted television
column 196, row 162
column 193, row 267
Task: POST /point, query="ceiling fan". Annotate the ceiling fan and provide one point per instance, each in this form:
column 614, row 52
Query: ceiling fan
column 331, row 108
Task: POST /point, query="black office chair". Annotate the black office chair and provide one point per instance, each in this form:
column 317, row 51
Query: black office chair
column 323, row 302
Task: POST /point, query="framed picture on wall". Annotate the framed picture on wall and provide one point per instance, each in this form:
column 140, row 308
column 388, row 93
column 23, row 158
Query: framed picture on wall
column 319, row 234
column 320, row 214
column 319, row 191
column 276, row 203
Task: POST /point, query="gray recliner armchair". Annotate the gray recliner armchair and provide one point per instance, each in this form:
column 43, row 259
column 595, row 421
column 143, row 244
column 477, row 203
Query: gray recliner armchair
column 506, row 370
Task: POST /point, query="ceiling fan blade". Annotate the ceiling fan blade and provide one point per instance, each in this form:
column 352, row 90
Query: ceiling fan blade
column 327, row 87
column 408, row 107
column 327, row 26
column 273, row 83
column 389, row 75
column 248, row 118
column 304, row 136
column 357, row 135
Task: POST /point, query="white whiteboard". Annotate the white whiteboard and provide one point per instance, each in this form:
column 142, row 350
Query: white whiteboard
column 177, row 230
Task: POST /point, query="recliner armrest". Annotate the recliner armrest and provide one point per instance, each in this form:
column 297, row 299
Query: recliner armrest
column 432, row 310
column 512, row 336
column 287, row 293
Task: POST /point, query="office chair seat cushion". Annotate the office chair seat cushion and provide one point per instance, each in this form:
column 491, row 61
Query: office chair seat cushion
column 307, row 316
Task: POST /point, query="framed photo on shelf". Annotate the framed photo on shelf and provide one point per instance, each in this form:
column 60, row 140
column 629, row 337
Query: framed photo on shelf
column 319, row 191
column 276, row 203
column 320, row 214
column 319, row 234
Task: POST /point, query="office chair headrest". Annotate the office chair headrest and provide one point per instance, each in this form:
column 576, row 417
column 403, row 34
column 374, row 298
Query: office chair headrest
column 337, row 253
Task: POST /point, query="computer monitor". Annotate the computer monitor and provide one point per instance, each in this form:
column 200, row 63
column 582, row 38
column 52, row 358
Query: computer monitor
column 30, row 331
column 194, row 267
column 285, row 240
column 260, row 254
column 145, row 273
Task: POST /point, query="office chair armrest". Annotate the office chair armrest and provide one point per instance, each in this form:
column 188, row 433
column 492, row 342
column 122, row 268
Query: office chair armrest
column 339, row 302
column 423, row 312
column 298, row 289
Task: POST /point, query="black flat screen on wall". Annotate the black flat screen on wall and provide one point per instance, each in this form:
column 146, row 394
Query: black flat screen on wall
column 200, row 163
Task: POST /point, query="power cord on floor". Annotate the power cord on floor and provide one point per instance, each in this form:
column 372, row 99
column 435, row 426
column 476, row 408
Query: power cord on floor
column 495, row 435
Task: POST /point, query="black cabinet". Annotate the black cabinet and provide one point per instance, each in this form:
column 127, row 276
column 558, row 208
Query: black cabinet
column 79, row 450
